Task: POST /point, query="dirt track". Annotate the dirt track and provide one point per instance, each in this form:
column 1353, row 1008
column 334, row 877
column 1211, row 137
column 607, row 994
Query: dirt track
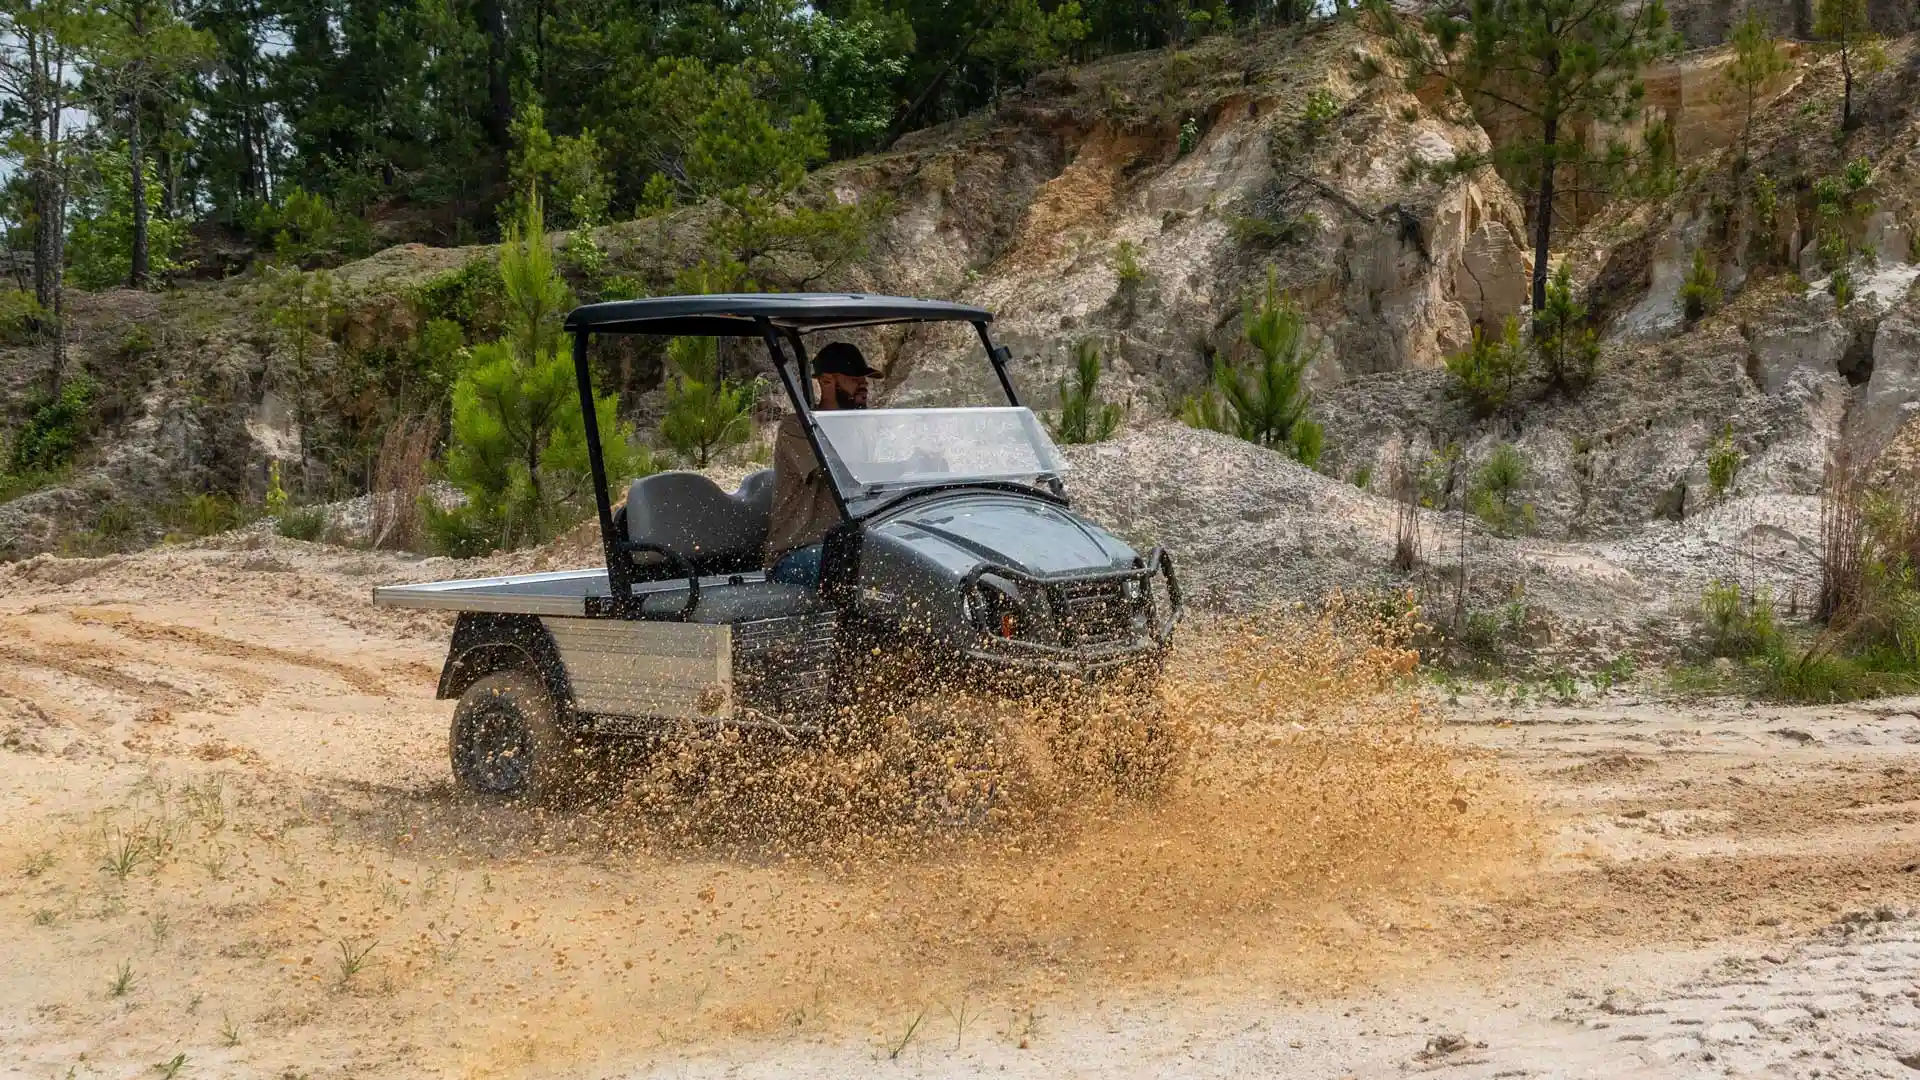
column 223, row 773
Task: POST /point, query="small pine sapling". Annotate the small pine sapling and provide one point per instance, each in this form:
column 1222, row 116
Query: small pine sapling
column 1083, row 417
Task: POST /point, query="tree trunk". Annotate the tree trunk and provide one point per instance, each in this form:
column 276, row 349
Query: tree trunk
column 1846, row 94
column 493, row 23
column 137, row 275
column 1543, row 216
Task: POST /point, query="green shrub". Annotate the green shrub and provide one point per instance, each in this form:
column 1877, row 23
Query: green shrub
column 1266, row 232
column 1189, row 135
column 1268, row 402
column 459, row 533
column 1126, row 265
column 21, row 317
column 1495, row 495
column 306, row 523
column 1083, row 417
column 1842, row 287
column 1738, row 624
column 1485, row 372
column 705, row 412
column 472, row 297
column 53, row 429
column 1569, row 352
column 1723, row 463
column 1321, row 108
column 208, row 514
column 1701, row 291
column 1363, row 477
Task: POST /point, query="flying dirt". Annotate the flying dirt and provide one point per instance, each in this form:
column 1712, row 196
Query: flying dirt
column 233, row 838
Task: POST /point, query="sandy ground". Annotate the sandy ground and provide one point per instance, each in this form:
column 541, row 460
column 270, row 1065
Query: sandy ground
column 230, row 849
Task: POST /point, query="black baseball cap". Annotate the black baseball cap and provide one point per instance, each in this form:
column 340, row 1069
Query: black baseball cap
column 842, row 358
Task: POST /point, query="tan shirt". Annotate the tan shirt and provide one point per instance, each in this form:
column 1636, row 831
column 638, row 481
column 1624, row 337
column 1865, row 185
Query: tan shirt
column 803, row 506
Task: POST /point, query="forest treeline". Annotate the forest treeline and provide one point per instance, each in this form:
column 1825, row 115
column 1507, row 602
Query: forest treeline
column 142, row 114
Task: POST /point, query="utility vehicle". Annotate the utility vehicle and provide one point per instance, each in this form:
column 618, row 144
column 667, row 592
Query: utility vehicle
column 958, row 558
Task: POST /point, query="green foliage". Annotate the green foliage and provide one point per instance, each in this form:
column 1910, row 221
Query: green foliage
column 1083, row 417
column 1723, row 463
column 1766, row 207
column 736, row 150
column 518, row 443
column 1495, row 493
column 1551, row 67
column 565, row 172
column 1267, row 401
column 1126, row 265
column 1320, row 110
column 21, row 316
column 301, row 308
column 472, row 297
column 53, row 429
column 100, row 243
column 1700, row 293
column 1738, row 624
column 1845, row 27
column 277, row 498
column 1485, row 372
column 303, row 227
column 1568, row 350
column 1757, row 60
column 307, row 523
column 1253, row 230
column 206, row 514
column 706, row 412
column 852, row 66
column 1189, row 135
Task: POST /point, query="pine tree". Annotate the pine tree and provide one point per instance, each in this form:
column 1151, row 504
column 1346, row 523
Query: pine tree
column 142, row 50
column 518, row 444
column 1083, row 418
column 1845, row 27
column 706, row 412
column 1757, row 59
column 41, row 42
column 1559, row 66
column 1268, row 401
column 1566, row 346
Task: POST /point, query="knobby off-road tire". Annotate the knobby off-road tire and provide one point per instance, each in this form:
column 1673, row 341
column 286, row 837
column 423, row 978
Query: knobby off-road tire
column 506, row 742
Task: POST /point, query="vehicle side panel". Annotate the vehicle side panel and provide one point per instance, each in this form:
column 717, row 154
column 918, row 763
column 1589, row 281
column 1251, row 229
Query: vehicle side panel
column 670, row 670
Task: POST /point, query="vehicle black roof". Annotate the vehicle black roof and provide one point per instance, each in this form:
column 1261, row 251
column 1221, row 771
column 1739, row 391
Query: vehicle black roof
column 732, row 315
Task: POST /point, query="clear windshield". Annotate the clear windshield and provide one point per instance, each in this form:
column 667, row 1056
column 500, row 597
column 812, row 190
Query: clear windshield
column 871, row 451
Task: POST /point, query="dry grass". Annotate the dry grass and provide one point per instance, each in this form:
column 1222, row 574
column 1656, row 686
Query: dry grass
column 399, row 480
column 1403, row 480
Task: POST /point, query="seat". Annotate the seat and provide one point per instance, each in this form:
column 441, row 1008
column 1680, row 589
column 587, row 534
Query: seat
column 689, row 515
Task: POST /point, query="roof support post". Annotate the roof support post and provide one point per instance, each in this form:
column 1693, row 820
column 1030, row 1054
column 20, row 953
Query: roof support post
column 999, row 355
column 797, row 394
column 619, row 563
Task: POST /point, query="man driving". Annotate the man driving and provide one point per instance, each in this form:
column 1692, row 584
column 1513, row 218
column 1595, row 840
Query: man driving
column 803, row 506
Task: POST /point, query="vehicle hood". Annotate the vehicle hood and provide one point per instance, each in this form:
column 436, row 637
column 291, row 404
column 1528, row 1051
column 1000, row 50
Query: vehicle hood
column 1030, row 535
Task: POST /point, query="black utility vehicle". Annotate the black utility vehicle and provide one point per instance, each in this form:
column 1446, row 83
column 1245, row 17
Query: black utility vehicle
column 958, row 558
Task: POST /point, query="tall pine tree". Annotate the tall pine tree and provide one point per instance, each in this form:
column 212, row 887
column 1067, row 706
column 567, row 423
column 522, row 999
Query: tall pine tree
column 1556, row 67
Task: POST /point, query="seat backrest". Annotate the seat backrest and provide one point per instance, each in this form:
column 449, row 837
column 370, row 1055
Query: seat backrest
column 689, row 515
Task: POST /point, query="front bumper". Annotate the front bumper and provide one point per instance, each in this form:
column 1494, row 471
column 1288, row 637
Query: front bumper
column 1071, row 656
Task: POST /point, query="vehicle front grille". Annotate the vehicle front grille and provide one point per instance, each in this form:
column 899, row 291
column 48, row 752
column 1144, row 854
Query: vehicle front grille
column 781, row 666
column 1094, row 612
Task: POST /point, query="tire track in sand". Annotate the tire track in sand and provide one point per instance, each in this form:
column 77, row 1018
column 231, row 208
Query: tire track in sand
column 132, row 626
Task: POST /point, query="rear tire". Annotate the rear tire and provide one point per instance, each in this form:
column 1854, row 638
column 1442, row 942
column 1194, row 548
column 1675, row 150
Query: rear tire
column 506, row 743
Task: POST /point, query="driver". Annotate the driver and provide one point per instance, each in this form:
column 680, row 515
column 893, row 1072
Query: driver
column 803, row 507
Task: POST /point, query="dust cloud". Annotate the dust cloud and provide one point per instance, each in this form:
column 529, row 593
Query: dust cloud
column 1280, row 816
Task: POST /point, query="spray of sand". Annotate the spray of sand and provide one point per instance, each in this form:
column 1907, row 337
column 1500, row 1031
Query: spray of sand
column 1262, row 819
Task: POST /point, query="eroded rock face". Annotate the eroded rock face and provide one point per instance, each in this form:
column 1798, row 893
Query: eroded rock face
column 1892, row 393
column 1808, row 337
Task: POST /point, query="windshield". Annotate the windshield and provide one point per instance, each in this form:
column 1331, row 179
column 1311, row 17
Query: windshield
column 873, row 451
